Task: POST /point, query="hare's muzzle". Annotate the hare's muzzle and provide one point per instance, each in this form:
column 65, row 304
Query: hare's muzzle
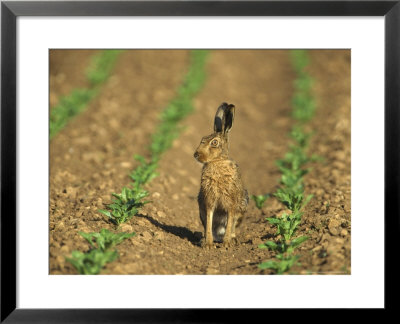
column 198, row 156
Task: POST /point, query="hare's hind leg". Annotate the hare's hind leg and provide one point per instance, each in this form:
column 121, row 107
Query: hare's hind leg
column 236, row 223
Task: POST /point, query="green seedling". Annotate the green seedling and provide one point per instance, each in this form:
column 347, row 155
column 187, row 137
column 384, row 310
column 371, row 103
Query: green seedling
column 126, row 205
column 292, row 180
column 283, row 264
column 285, row 258
column 293, row 200
column 294, row 159
column 163, row 138
column 284, row 246
column 102, row 253
column 303, row 101
column 260, row 199
column 92, row 262
column 101, row 66
column 304, row 107
column 68, row 107
column 105, row 240
column 287, row 224
column 304, row 83
column 300, row 60
column 291, row 168
column 143, row 173
column 301, row 138
column 317, row 158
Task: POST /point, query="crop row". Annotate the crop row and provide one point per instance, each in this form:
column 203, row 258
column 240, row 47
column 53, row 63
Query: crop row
column 128, row 202
column 292, row 168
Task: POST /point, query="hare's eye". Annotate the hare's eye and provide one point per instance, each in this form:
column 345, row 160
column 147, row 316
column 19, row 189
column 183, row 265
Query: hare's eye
column 214, row 142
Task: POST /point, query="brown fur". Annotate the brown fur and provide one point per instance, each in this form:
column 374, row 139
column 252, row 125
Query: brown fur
column 222, row 196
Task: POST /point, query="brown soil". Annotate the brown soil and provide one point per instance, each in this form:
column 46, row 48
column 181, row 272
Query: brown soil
column 92, row 157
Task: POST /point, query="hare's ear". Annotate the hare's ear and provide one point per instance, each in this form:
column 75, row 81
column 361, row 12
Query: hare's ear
column 229, row 116
column 219, row 120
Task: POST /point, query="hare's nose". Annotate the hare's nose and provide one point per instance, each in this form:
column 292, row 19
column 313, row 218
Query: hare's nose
column 196, row 155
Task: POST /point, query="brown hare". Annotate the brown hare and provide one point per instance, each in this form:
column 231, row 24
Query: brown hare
column 222, row 198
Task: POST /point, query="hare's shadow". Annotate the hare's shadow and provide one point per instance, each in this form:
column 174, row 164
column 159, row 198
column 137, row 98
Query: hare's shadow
column 182, row 232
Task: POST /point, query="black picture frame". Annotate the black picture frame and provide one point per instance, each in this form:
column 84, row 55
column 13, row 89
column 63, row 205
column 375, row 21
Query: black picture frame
column 10, row 10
